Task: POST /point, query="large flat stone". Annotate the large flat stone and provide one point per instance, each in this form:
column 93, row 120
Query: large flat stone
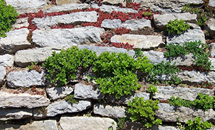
column 87, row 123
column 139, row 41
column 109, row 111
column 59, row 92
column 188, row 36
column 15, row 40
column 61, row 2
column 61, row 107
column 211, row 3
column 70, row 37
column 117, row 2
column 25, row 4
column 171, row 114
column 24, row 58
column 110, row 8
column 161, row 20
column 8, row 100
column 41, row 125
column 6, row 60
column 166, row 92
column 2, row 74
column 82, row 91
column 210, row 26
column 25, row 78
column 9, row 114
column 78, row 17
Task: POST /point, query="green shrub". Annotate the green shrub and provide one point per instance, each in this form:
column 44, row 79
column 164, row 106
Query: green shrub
column 177, row 27
column 197, row 124
column 8, row 16
column 152, row 89
column 63, row 66
column 144, row 111
column 70, row 99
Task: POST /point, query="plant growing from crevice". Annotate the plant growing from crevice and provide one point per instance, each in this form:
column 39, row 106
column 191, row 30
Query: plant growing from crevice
column 144, row 111
column 34, row 66
column 197, row 124
column 177, row 27
column 152, row 89
column 70, row 98
column 8, row 17
column 121, row 123
column 42, row 110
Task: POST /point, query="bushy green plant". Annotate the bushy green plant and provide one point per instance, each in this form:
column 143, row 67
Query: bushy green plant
column 144, row 111
column 177, row 27
column 121, row 123
column 152, row 89
column 62, row 67
column 70, row 99
column 8, row 16
column 197, row 48
column 148, row 14
column 197, row 124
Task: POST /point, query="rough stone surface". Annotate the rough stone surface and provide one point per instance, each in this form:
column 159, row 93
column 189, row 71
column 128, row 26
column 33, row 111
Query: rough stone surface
column 66, row 7
column 9, row 114
column 109, row 111
column 2, row 74
column 59, row 92
column 99, row 49
column 212, row 3
column 25, row 78
column 171, row 114
column 165, row 127
column 8, row 100
column 24, row 58
column 78, row 17
column 166, row 92
column 69, row 37
column 25, row 4
column 188, row 36
column 82, row 91
column 15, row 40
column 129, row 24
column 61, row 2
column 41, row 125
column 87, row 123
column 212, row 49
column 21, row 22
column 6, row 60
column 116, row 2
column 210, row 26
column 109, row 9
column 61, row 107
column 139, row 41
column 157, row 57
column 161, row 20
column 212, row 63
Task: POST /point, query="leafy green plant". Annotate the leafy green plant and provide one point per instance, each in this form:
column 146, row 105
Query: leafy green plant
column 63, row 66
column 8, row 17
column 70, row 99
column 148, row 14
column 177, row 27
column 152, row 89
column 144, row 111
column 121, row 123
column 34, row 66
column 197, row 124
column 42, row 110
column 138, row 53
column 198, row 50
column 205, row 102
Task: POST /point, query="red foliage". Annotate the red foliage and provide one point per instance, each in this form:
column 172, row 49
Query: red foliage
column 54, row 2
column 15, row 92
column 132, row 5
column 122, row 30
column 107, row 36
column 204, row 84
column 122, row 45
column 193, row 67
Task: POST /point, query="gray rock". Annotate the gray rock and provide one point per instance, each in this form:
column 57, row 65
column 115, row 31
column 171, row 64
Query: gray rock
column 157, row 57
column 41, row 125
column 139, row 41
column 114, row 2
column 113, row 24
column 161, row 20
column 212, row 49
column 166, row 92
column 129, row 24
column 2, row 74
column 24, row 58
column 210, row 26
column 188, row 36
column 87, row 123
column 109, row 111
column 70, row 37
column 171, row 114
column 61, row 107
column 59, row 92
column 25, row 78
column 21, row 22
column 61, row 2
column 212, row 63
column 15, row 40
column 99, row 49
column 211, row 3
column 9, row 114
column 78, row 17
column 6, row 60
column 165, row 127
column 82, row 91
column 110, row 8
column 40, row 112
column 194, row 26
column 24, row 4
column 8, row 100
column 66, row 7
